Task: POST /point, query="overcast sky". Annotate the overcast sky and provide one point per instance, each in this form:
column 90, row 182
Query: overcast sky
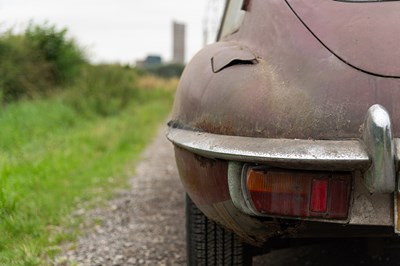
column 116, row 30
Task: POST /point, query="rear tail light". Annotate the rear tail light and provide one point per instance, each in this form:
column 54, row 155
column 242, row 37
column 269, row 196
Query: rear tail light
column 319, row 195
column 298, row 193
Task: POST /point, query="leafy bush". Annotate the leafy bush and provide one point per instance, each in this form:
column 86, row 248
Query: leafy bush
column 168, row 70
column 59, row 50
column 23, row 72
column 103, row 89
column 37, row 62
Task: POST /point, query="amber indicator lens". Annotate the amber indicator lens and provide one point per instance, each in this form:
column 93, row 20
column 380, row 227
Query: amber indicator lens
column 299, row 193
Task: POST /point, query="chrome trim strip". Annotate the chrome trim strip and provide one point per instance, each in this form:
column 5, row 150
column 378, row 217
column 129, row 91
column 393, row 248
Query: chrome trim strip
column 375, row 157
column 346, row 155
column 378, row 138
column 237, row 188
column 397, row 155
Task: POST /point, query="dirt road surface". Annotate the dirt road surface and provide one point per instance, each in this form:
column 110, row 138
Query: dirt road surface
column 142, row 226
column 145, row 226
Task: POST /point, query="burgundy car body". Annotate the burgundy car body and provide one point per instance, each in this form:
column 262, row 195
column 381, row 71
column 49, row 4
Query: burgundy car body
column 307, row 85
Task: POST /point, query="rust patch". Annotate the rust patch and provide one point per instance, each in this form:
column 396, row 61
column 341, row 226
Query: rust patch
column 208, row 125
column 205, row 180
column 290, row 228
column 205, row 162
column 249, row 229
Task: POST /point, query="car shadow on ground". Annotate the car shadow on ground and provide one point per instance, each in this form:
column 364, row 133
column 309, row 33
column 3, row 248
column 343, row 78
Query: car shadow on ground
column 344, row 253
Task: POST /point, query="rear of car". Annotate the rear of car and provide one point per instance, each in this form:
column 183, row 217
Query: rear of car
column 287, row 128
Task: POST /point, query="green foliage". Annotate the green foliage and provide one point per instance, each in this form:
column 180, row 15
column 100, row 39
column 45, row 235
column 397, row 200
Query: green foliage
column 62, row 52
column 37, row 62
column 53, row 159
column 24, row 74
column 103, row 89
column 167, row 71
column 69, row 148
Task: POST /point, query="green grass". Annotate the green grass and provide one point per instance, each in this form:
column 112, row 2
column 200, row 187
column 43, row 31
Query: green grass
column 53, row 158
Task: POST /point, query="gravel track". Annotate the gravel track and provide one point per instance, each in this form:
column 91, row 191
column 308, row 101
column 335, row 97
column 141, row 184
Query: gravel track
column 145, row 226
column 142, row 226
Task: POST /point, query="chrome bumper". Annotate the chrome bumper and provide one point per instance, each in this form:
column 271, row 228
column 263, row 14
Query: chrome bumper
column 374, row 156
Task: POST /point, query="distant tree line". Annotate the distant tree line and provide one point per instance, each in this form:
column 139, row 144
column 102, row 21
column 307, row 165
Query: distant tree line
column 44, row 60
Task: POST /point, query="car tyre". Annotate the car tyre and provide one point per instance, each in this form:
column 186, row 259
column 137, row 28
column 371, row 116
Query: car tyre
column 209, row 244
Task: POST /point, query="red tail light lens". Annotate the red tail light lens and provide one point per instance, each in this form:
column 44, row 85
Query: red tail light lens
column 299, row 193
column 319, row 195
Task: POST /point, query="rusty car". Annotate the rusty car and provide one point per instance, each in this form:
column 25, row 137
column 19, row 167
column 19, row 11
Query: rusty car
column 288, row 127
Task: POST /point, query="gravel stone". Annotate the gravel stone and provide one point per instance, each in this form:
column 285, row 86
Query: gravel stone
column 145, row 226
column 141, row 226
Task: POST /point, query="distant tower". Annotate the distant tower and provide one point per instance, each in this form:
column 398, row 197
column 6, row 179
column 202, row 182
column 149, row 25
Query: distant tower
column 179, row 43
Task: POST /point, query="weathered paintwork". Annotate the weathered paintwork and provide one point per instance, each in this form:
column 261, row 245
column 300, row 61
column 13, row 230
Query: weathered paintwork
column 297, row 88
column 206, row 182
column 364, row 35
column 204, row 179
column 284, row 75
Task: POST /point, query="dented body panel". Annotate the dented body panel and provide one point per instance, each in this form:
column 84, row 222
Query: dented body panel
column 295, row 78
column 294, row 88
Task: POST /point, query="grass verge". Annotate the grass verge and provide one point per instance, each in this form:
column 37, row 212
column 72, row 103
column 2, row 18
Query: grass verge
column 52, row 158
